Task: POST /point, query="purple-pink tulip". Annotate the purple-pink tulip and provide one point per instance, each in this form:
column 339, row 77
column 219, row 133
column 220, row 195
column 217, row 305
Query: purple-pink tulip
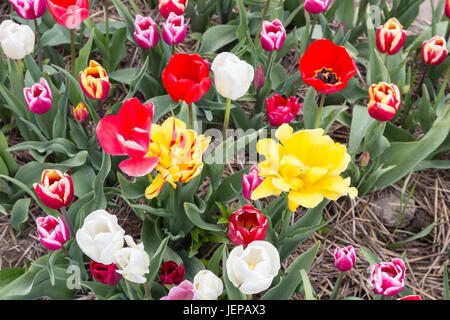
column 174, row 30
column 250, row 182
column 258, row 80
column 184, row 291
column 280, row 110
column 146, row 32
column 388, row 278
column 272, row 35
column 344, row 258
column 29, row 9
column 316, row 6
column 53, row 232
column 38, row 97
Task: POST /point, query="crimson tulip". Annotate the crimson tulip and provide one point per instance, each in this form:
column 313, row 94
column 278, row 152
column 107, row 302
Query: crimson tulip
column 175, row 6
column 280, row 110
column 69, row 13
column 56, row 189
column 326, row 66
column 384, row 101
column 186, row 77
column 128, row 133
column 171, row 273
column 246, row 225
column 105, row 273
column 390, row 37
column 434, row 51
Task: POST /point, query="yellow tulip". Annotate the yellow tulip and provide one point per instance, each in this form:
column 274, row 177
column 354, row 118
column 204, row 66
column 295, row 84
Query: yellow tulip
column 179, row 151
column 306, row 165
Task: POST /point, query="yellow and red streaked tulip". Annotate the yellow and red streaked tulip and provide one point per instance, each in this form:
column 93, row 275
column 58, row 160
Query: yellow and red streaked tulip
column 434, row 51
column 53, row 232
column 384, row 101
column 95, row 81
column 168, row 6
column 80, row 112
column 390, row 37
column 56, row 189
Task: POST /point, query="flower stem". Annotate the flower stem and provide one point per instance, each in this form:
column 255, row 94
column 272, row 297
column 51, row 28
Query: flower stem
column 422, row 79
column 319, row 114
column 38, row 42
column 148, row 293
column 101, row 112
column 386, row 57
column 191, row 117
column 335, row 291
column 67, row 221
column 107, row 23
column 313, row 23
column 47, row 124
column 226, row 120
column 72, row 49
column 447, row 34
column 20, row 71
column 442, row 91
column 266, row 8
column 66, row 252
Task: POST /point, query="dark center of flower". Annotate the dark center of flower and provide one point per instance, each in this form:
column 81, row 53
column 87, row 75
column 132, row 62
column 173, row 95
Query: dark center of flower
column 327, row 76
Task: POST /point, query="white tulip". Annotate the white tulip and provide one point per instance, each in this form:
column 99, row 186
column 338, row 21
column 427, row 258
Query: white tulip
column 252, row 269
column 17, row 40
column 100, row 236
column 132, row 261
column 232, row 76
column 207, row 286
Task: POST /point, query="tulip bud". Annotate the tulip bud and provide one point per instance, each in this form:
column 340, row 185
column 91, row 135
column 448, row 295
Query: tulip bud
column 80, row 112
column 258, row 80
column 55, row 190
column 434, row 51
column 207, row 286
column 364, row 159
column 388, row 278
column 390, row 37
column 16, row 40
column 412, row 297
column 447, row 8
column 39, row 97
column 171, row 273
column 280, row 110
column 184, row 291
column 174, row 30
column 384, row 101
column 95, row 81
column 175, row 6
column 232, row 76
column 344, row 258
column 246, row 225
column 146, row 32
column 250, row 182
column 316, row 6
column 53, row 232
column 29, row 9
column 105, row 274
column 272, row 35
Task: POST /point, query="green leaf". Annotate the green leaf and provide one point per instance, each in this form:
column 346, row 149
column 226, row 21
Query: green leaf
column 132, row 189
column 217, row 37
column 307, row 286
column 8, row 275
column 419, row 235
column 286, row 287
column 214, row 261
column 194, row 214
column 82, row 61
column 19, row 214
column 310, row 109
column 305, row 260
column 370, row 257
column 361, row 120
column 156, row 260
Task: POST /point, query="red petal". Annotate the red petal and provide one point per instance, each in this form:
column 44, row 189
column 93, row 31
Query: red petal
column 107, row 134
column 138, row 167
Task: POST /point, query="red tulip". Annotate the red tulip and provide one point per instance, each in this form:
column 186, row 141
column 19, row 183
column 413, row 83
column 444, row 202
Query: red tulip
column 280, row 110
column 168, row 6
column 55, row 190
column 128, row 133
column 186, row 77
column 247, row 225
column 69, row 13
column 326, row 66
column 390, row 37
column 171, row 273
column 384, row 101
column 410, row 298
column 434, row 51
column 105, row 274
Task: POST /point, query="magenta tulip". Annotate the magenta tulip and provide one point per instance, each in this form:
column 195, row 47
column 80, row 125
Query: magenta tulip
column 388, row 278
column 29, row 9
column 146, row 32
column 174, row 30
column 344, row 258
column 250, row 182
column 316, row 6
column 280, row 110
column 38, row 97
column 53, row 232
column 272, row 35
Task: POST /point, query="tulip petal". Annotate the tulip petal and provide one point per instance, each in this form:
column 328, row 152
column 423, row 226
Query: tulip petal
column 138, row 167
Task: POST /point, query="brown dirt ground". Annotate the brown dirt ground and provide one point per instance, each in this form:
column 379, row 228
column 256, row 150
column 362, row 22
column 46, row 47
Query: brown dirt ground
column 356, row 223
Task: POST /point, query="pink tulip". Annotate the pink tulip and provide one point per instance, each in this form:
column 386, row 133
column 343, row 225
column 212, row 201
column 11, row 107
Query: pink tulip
column 412, row 297
column 184, row 291
column 174, row 30
column 280, row 110
column 38, row 97
column 250, row 182
column 273, row 35
column 344, row 258
column 53, row 232
column 316, row 6
column 29, row 9
column 146, row 33
column 258, row 80
column 388, row 278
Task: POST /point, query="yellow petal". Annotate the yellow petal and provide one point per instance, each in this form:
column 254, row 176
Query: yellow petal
column 284, row 132
column 281, row 184
column 155, row 188
column 305, row 199
column 265, row 189
column 333, row 187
